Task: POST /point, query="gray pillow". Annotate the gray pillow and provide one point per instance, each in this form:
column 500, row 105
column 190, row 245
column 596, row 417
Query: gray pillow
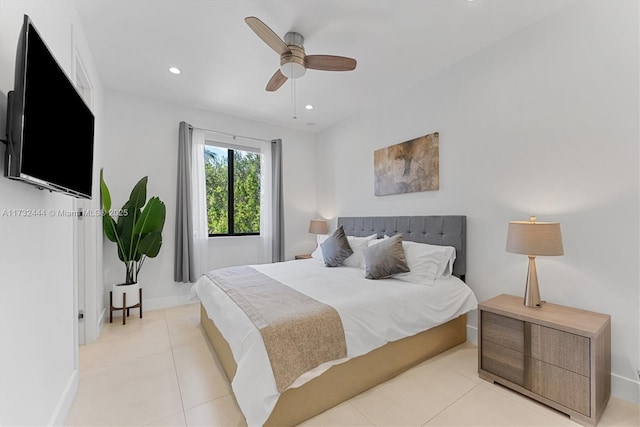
column 336, row 248
column 385, row 258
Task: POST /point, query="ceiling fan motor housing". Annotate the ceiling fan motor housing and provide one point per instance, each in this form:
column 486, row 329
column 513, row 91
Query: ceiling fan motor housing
column 293, row 65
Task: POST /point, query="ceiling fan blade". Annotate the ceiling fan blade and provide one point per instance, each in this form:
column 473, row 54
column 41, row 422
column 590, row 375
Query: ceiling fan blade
column 267, row 35
column 276, row 81
column 330, row 63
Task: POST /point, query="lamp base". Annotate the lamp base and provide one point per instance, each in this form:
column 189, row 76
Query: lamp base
column 532, row 292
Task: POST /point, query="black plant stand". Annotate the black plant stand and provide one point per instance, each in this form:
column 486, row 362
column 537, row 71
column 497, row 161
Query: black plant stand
column 124, row 307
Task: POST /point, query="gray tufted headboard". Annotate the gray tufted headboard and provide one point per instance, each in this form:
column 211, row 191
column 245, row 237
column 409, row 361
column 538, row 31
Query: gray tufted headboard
column 447, row 230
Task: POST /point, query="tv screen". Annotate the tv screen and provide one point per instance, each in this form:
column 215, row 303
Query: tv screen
column 50, row 127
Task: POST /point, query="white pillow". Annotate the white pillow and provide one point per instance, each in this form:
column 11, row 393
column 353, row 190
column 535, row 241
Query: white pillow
column 358, row 245
column 427, row 262
column 445, row 256
column 317, row 253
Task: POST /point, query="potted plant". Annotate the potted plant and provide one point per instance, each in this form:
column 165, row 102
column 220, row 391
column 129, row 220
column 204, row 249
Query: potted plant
column 137, row 232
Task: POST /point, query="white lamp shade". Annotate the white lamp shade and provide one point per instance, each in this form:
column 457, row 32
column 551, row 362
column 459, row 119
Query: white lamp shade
column 318, row 226
column 534, row 238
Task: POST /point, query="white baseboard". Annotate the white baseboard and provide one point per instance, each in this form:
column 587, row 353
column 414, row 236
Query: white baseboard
column 472, row 334
column 62, row 409
column 159, row 303
column 625, row 388
column 621, row 387
column 102, row 319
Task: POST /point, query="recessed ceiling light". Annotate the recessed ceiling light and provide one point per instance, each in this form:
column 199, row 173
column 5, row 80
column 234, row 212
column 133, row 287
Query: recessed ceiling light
column 174, row 70
column 309, row 107
column 311, row 125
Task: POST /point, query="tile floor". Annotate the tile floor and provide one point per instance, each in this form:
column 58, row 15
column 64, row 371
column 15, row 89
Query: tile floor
column 160, row 371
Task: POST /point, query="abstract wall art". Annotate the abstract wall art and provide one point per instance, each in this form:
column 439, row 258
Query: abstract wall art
column 408, row 167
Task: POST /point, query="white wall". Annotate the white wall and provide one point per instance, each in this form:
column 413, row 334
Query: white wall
column 38, row 342
column 141, row 138
column 545, row 122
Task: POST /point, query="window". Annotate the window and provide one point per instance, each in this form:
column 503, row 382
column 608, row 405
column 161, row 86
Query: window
column 232, row 179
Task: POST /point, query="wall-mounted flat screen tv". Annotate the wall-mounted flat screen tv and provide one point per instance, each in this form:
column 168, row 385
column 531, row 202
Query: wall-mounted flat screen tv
column 50, row 129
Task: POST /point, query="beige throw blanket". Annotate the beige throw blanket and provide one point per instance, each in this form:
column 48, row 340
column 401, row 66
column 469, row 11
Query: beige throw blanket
column 299, row 332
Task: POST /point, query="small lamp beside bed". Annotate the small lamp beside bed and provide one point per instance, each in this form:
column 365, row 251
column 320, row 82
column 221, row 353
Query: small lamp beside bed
column 318, row 226
column 534, row 238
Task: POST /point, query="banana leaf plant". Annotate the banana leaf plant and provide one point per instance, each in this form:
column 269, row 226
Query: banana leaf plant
column 136, row 229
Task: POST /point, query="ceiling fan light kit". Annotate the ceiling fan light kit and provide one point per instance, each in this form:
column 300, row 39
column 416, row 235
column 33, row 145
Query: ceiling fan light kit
column 293, row 60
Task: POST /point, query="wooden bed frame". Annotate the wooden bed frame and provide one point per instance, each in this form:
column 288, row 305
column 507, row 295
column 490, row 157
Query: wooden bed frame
column 343, row 381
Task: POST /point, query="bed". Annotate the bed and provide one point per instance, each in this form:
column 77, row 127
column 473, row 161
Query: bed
column 379, row 344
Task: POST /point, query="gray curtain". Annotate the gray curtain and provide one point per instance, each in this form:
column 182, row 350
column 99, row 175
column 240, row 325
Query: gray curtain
column 184, row 270
column 277, row 202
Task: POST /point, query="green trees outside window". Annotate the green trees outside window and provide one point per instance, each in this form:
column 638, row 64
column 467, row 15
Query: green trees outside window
column 233, row 191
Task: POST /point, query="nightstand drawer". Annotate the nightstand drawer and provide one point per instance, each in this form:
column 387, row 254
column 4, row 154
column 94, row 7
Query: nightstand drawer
column 501, row 361
column 562, row 349
column 503, row 330
column 567, row 388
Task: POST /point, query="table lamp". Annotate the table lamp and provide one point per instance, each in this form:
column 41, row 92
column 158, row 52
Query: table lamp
column 534, row 239
column 318, row 226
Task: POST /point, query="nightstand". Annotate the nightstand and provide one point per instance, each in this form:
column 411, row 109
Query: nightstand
column 557, row 355
column 303, row 256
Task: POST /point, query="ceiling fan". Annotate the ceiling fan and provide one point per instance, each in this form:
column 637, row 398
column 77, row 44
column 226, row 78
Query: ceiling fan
column 293, row 61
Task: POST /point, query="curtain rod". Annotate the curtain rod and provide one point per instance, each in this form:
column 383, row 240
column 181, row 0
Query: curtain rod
column 230, row 134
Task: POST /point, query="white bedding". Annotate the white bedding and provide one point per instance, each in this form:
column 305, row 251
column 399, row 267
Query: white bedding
column 373, row 313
